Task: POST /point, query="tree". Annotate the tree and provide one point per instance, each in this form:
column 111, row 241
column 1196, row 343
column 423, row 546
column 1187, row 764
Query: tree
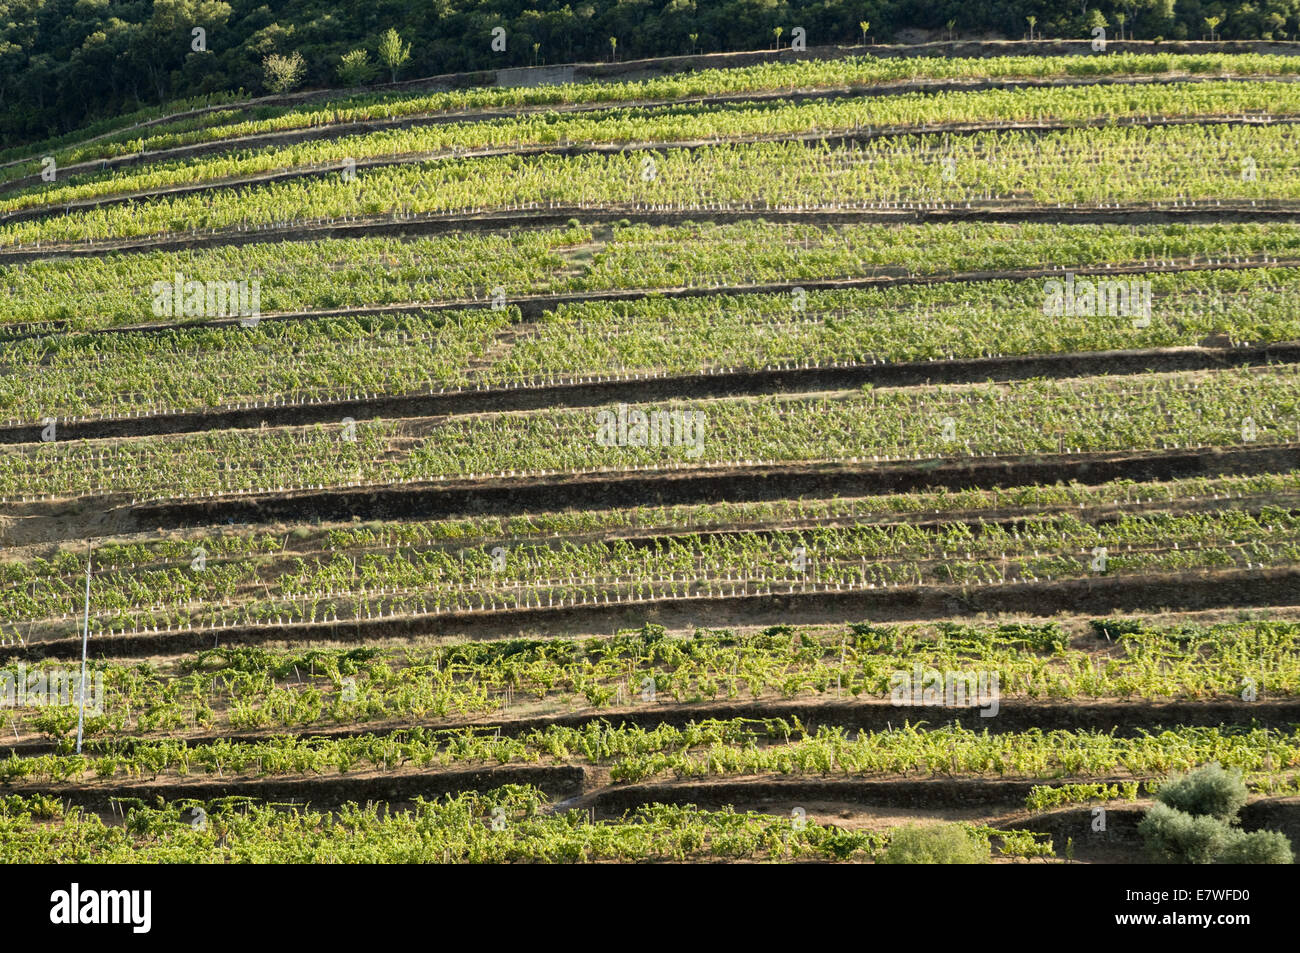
column 777, row 31
column 1120, row 18
column 11, row 58
column 1033, row 22
column 355, row 68
column 695, row 39
column 393, row 52
column 613, row 47
column 864, row 26
column 283, row 73
column 1208, row 791
column 951, row 26
column 1213, row 24
column 1195, row 822
column 1177, row 838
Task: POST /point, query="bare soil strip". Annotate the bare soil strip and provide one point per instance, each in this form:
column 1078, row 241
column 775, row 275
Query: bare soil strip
column 1014, row 714
column 693, row 386
column 576, row 787
column 1100, row 595
column 85, row 517
column 556, row 781
column 535, row 306
column 557, row 215
column 595, row 491
column 977, row 521
column 781, row 795
column 573, row 785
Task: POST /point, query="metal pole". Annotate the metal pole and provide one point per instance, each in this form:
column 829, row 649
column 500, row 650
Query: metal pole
column 85, row 639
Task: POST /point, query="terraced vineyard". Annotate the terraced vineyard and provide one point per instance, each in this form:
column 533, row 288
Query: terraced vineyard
column 734, row 464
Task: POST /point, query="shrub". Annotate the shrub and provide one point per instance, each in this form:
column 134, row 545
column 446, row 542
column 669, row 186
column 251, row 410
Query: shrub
column 1207, row 791
column 841, row 845
column 1047, row 637
column 1026, row 844
column 1114, row 628
column 1178, row 838
column 355, row 68
column 939, row 844
column 1192, row 824
column 283, row 73
column 1257, row 847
